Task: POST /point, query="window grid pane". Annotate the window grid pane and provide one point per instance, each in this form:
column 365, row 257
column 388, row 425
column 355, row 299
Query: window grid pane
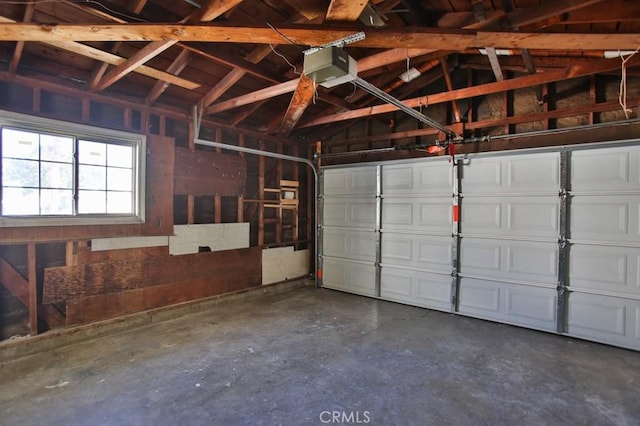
column 41, row 173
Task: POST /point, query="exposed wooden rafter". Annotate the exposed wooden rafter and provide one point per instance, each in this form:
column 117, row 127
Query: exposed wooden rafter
column 176, row 67
column 345, row 10
column 447, row 79
column 140, row 57
column 17, row 53
column 299, row 101
column 101, row 55
column 517, row 18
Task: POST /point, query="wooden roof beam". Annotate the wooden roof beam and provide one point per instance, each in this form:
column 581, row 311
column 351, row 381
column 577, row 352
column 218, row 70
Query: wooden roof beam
column 481, row 16
column 209, row 11
column 539, row 12
column 516, row 18
column 414, row 38
column 339, row 10
column 137, row 6
column 148, row 52
column 447, row 79
column 258, row 95
column 616, row 11
column 310, row 9
column 100, row 55
column 176, row 67
column 299, row 101
column 224, row 84
column 17, row 52
column 240, row 117
column 345, row 10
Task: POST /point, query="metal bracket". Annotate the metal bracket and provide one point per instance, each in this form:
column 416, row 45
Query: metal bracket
column 338, row 43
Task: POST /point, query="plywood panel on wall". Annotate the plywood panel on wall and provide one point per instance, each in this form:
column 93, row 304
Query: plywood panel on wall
column 171, row 280
column 202, row 173
column 74, row 282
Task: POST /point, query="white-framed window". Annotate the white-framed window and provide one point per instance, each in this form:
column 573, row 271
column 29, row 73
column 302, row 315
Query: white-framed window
column 61, row 173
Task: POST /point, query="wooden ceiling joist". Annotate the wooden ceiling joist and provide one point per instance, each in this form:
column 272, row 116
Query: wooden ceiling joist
column 423, row 38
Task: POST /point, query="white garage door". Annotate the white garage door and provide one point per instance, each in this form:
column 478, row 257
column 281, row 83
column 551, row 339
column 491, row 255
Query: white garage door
column 509, row 246
column 546, row 240
column 604, row 262
column 349, row 229
column 417, row 257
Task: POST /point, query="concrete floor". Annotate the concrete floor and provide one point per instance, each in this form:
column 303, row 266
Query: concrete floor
column 296, row 358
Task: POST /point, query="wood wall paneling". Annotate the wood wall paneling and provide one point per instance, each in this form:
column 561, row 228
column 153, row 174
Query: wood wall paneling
column 172, row 280
column 203, row 173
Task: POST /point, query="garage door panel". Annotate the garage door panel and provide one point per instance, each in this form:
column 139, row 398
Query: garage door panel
column 353, row 277
column 418, row 251
column 533, row 173
column 523, row 305
column 538, row 261
column 480, row 256
column 605, row 319
column 482, row 216
column 606, row 268
column 429, row 177
column 605, row 218
column 483, row 175
column 532, row 304
column 416, row 288
column 606, row 169
column 349, row 244
column 352, row 212
column 530, row 173
column 479, row 296
column 535, row 217
column 427, row 215
column 350, row 181
column 597, row 314
column 522, row 261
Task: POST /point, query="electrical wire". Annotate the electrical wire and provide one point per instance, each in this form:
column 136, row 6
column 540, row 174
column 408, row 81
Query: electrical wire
column 284, row 37
column 355, row 88
column 622, row 98
column 295, row 70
